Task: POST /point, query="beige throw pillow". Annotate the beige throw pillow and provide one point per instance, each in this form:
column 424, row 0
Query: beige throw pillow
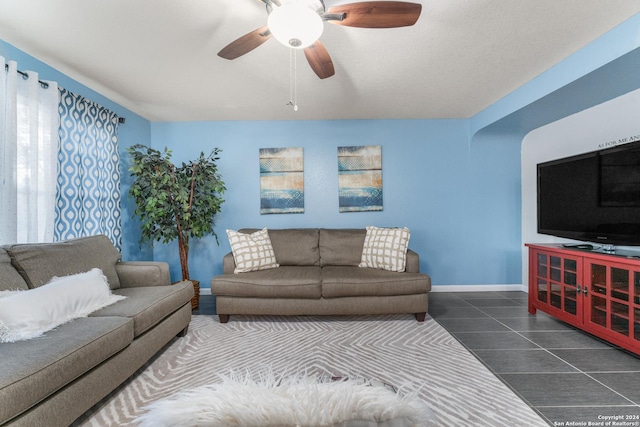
column 253, row 251
column 385, row 248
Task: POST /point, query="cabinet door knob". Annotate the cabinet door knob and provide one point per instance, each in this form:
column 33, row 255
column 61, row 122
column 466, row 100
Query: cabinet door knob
column 578, row 289
column 585, row 290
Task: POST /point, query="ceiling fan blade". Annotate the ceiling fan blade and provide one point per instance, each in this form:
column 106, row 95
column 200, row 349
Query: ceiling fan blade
column 376, row 14
column 319, row 60
column 246, row 43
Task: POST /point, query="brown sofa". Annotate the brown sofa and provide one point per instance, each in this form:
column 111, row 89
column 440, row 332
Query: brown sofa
column 54, row 379
column 319, row 275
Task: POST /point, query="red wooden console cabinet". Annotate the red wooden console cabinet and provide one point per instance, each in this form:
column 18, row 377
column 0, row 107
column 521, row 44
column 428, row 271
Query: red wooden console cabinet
column 596, row 292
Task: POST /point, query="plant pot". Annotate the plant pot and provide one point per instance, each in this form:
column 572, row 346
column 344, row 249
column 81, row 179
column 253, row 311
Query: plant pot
column 195, row 301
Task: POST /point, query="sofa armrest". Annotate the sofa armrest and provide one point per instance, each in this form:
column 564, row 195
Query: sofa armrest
column 413, row 262
column 143, row 273
column 228, row 263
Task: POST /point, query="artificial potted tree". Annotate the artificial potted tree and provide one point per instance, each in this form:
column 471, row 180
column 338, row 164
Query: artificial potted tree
column 176, row 202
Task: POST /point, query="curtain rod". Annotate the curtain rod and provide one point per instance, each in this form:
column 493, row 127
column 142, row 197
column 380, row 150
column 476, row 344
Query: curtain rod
column 45, row 85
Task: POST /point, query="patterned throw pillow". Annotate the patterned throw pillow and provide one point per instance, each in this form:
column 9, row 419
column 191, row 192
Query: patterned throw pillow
column 385, row 248
column 253, row 251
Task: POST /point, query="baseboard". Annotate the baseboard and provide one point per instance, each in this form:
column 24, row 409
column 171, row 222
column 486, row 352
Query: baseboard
column 449, row 288
column 478, row 288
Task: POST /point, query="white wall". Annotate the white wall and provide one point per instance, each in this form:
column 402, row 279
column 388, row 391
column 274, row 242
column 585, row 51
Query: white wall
column 610, row 123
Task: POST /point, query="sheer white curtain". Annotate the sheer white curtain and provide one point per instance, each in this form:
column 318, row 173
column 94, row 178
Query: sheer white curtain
column 29, row 140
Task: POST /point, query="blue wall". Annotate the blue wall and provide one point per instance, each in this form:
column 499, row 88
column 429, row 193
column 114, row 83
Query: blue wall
column 460, row 203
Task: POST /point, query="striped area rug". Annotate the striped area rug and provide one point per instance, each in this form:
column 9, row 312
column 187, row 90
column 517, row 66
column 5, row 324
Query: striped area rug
column 393, row 349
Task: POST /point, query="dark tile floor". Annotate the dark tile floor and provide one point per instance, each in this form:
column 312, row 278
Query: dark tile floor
column 567, row 376
column 207, row 305
column 564, row 374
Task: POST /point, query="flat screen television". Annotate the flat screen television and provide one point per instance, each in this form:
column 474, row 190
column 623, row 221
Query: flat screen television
column 592, row 197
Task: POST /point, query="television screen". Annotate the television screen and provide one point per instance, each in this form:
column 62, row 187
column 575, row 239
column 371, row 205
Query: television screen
column 592, row 197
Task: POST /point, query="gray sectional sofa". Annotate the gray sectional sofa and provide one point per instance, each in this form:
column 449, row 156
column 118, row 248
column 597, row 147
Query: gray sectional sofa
column 54, row 379
column 319, row 275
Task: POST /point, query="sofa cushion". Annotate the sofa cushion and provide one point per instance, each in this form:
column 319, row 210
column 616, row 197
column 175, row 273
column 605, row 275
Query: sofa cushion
column 283, row 282
column 32, row 370
column 147, row 306
column 29, row 314
column 252, row 251
column 10, row 279
column 344, row 281
column 40, row 262
column 385, row 248
column 341, row 246
column 294, row 246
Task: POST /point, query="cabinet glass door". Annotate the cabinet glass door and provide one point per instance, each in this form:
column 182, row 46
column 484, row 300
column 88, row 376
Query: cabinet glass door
column 555, row 275
column 543, row 283
column 557, row 280
column 612, row 291
column 636, row 305
column 620, row 301
column 570, row 282
column 598, row 295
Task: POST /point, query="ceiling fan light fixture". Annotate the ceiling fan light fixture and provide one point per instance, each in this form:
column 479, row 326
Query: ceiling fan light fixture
column 295, row 25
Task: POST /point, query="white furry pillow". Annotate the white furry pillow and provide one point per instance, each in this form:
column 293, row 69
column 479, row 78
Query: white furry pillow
column 385, row 248
column 31, row 313
column 253, row 251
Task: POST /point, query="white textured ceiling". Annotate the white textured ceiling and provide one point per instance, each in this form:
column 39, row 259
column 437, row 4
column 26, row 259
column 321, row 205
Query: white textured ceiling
column 158, row 57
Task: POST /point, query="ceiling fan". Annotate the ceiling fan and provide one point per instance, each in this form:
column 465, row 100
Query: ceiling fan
column 299, row 23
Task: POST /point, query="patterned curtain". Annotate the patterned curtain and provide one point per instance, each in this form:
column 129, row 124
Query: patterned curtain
column 88, row 187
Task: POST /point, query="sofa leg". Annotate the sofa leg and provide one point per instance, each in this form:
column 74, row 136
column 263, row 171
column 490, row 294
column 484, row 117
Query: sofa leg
column 224, row 318
column 183, row 332
column 420, row 317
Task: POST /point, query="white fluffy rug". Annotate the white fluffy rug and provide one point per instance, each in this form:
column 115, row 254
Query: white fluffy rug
column 297, row 400
column 419, row 358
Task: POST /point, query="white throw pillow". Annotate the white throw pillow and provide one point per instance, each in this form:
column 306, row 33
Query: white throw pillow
column 385, row 248
column 31, row 313
column 252, row 252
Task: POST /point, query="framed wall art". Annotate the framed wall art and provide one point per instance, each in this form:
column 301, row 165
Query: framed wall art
column 360, row 178
column 281, row 180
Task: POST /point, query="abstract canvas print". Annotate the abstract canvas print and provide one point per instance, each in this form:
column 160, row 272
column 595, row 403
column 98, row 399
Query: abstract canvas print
column 360, row 178
column 281, row 181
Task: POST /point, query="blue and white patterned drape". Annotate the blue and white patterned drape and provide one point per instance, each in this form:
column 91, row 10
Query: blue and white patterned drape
column 88, row 188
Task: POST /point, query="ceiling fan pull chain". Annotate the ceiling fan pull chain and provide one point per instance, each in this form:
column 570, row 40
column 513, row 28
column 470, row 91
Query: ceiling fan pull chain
column 295, row 79
column 293, row 89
